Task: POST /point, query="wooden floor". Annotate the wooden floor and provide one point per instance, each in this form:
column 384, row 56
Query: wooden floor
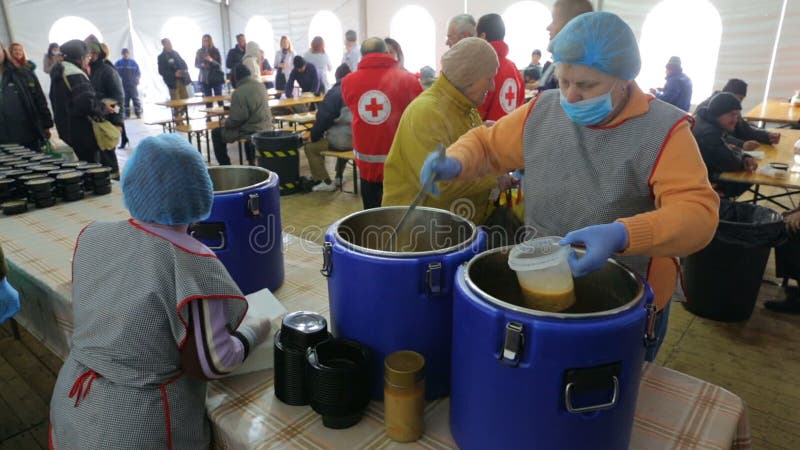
column 758, row 360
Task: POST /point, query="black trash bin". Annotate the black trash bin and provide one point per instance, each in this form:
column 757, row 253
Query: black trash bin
column 277, row 151
column 722, row 280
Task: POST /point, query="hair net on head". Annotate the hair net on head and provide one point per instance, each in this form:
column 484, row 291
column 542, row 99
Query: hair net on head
column 600, row 40
column 166, row 181
column 468, row 61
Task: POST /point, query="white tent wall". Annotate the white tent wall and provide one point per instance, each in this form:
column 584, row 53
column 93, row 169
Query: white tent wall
column 748, row 35
column 187, row 21
column 5, row 33
column 292, row 19
column 786, row 75
column 31, row 20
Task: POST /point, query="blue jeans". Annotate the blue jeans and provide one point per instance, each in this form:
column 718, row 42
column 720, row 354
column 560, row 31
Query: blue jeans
column 662, row 320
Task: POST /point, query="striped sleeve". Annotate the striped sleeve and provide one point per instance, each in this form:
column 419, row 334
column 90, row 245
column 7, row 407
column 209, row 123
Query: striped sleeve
column 220, row 351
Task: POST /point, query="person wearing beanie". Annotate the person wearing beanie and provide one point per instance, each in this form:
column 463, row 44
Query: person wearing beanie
column 440, row 115
column 249, row 114
column 377, row 94
column 306, row 76
column 713, row 124
column 74, row 100
column 331, row 131
column 509, row 87
column 744, row 135
column 156, row 314
column 107, row 86
column 129, row 71
column 678, row 89
column 605, row 166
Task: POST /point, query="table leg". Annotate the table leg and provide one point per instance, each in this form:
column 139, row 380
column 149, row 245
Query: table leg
column 208, row 147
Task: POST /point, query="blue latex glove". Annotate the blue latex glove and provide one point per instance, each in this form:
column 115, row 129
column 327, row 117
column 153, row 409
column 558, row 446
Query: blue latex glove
column 601, row 242
column 9, row 300
column 443, row 170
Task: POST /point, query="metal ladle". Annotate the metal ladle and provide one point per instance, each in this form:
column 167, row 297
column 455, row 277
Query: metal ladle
column 426, row 188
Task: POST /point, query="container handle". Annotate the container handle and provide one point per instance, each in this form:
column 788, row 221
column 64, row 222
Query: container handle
column 433, row 279
column 201, row 231
column 253, row 205
column 650, row 337
column 327, row 259
column 592, row 379
column 513, row 343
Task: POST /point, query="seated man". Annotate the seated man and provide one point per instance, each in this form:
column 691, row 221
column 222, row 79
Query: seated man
column 787, row 265
column 678, row 89
column 249, row 114
column 745, row 135
column 713, row 123
column 331, row 131
column 533, row 72
column 440, row 115
column 305, row 75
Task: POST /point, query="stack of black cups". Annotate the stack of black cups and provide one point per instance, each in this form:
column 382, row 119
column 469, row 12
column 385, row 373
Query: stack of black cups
column 69, row 185
column 40, row 191
column 97, row 180
column 299, row 331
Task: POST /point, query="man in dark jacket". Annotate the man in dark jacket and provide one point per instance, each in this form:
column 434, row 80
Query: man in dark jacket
column 235, row 56
column 24, row 116
column 745, row 135
column 713, row 123
column 563, row 11
column 74, row 101
column 331, row 131
column 305, row 75
column 678, row 89
column 129, row 72
column 107, row 86
column 174, row 71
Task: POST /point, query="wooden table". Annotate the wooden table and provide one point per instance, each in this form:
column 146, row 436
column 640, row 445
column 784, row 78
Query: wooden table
column 199, row 128
column 294, row 102
column 180, row 107
column 783, row 152
column 775, row 111
column 305, row 120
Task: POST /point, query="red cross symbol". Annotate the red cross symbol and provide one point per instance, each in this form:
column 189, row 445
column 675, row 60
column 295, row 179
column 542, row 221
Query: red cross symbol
column 374, row 107
column 511, row 95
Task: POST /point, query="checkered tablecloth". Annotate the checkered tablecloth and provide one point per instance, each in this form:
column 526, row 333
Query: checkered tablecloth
column 674, row 410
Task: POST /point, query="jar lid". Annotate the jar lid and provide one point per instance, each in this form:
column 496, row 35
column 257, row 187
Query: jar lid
column 305, row 322
column 537, row 254
column 404, row 368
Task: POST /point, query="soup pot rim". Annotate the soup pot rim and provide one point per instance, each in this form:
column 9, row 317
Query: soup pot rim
column 460, row 246
column 243, row 188
column 554, row 315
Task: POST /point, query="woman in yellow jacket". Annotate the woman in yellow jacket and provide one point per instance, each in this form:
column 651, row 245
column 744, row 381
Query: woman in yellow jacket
column 606, row 165
column 440, row 115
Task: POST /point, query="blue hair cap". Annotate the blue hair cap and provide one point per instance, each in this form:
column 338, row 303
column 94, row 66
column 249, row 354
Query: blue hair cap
column 600, row 40
column 166, row 181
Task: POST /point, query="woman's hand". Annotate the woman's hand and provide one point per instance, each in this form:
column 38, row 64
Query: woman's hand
column 750, row 145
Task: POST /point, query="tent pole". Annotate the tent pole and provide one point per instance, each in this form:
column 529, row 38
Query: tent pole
column 6, row 22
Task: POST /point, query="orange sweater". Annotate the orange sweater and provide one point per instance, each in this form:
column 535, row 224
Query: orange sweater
column 687, row 208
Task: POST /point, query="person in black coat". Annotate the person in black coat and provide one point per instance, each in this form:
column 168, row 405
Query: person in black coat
column 108, row 88
column 25, row 118
column 744, row 135
column 713, row 124
column 173, row 71
column 235, row 56
column 74, row 101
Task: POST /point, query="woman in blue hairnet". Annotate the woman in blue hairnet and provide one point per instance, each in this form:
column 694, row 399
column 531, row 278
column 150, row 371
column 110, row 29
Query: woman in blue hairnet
column 606, row 165
column 154, row 313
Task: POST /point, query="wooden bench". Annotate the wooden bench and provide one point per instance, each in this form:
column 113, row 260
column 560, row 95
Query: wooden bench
column 199, row 128
column 167, row 125
column 350, row 158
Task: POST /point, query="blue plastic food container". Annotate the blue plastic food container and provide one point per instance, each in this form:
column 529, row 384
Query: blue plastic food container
column 399, row 297
column 244, row 228
column 523, row 378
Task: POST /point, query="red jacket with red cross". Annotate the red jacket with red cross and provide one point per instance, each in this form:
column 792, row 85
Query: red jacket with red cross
column 377, row 94
column 509, row 87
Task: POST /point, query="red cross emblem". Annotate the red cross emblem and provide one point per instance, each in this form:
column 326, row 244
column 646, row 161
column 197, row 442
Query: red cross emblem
column 374, row 107
column 508, row 99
